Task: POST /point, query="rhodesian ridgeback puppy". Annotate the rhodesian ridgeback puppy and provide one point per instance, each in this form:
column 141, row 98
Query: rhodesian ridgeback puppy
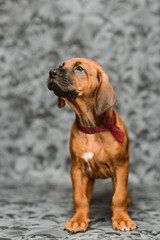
column 99, row 143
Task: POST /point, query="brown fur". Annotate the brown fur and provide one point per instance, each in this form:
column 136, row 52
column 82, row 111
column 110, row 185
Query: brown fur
column 110, row 158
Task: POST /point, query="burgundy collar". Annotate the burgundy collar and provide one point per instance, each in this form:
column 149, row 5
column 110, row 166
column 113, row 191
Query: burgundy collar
column 109, row 123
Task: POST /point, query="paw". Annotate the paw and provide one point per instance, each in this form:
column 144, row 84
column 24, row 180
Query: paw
column 76, row 224
column 123, row 224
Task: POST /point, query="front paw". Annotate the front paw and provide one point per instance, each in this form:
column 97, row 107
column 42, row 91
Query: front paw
column 123, row 224
column 77, row 224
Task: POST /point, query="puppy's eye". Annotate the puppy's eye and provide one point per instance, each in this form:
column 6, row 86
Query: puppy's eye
column 80, row 69
column 61, row 66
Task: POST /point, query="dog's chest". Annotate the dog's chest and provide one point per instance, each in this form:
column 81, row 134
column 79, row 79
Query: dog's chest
column 94, row 155
column 93, row 166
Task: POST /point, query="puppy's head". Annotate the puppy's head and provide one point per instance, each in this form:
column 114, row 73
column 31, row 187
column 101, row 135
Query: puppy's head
column 80, row 79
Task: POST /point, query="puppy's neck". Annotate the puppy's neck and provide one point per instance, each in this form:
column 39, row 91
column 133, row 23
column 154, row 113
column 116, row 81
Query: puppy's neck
column 85, row 114
column 88, row 119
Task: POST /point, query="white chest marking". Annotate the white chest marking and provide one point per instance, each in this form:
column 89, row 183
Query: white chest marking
column 86, row 157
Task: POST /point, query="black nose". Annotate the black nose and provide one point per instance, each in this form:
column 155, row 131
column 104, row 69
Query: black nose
column 52, row 74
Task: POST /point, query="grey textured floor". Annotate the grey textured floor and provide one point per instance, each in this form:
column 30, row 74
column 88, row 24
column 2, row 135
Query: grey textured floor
column 40, row 212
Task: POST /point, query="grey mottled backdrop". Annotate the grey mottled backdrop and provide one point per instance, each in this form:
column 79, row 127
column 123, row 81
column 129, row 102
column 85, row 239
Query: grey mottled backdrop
column 122, row 35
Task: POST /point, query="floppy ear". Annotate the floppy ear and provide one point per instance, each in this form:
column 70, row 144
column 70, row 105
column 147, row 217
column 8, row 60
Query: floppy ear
column 105, row 97
column 61, row 102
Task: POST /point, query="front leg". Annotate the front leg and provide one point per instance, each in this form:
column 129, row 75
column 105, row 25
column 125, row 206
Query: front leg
column 90, row 189
column 80, row 219
column 120, row 217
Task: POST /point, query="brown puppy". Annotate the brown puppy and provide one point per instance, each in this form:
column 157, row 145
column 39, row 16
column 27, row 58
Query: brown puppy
column 84, row 85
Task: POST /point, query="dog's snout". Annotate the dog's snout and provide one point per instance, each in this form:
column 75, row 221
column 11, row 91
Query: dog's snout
column 50, row 83
column 52, row 73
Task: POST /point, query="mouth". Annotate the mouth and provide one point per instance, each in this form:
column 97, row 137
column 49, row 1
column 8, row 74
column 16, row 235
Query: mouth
column 61, row 91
